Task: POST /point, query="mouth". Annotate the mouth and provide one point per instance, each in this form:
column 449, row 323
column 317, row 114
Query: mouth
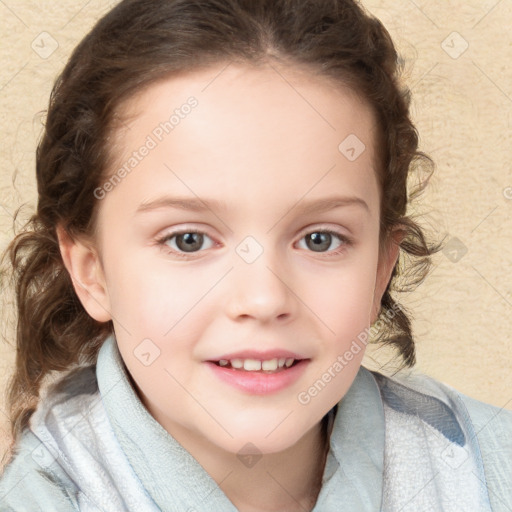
column 259, row 376
column 266, row 366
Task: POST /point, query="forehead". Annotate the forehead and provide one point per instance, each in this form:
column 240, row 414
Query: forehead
column 249, row 126
column 289, row 97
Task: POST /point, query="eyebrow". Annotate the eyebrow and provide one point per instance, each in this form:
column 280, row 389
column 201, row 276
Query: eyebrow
column 196, row 204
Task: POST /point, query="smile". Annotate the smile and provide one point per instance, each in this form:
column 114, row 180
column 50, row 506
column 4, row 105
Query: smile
column 258, row 377
column 255, row 365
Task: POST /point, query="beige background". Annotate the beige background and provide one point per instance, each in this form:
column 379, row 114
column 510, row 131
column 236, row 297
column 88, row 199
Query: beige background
column 463, row 110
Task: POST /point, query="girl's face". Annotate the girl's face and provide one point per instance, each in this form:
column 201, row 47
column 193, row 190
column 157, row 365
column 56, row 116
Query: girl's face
column 273, row 170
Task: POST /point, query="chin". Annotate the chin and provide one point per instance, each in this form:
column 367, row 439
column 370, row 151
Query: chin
column 266, row 439
column 248, row 445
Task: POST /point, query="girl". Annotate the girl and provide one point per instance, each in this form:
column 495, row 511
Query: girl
column 220, row 226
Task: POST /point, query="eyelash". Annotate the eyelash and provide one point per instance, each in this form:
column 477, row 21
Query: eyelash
column 346, row 242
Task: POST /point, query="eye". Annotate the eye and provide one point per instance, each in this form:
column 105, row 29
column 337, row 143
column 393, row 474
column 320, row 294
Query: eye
column 322, row 241
column 190, row 241
column 185, row 242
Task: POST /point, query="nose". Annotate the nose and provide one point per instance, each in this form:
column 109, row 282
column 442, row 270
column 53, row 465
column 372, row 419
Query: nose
column 262, row 291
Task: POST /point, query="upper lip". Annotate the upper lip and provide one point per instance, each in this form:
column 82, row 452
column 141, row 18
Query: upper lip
column 260, row 355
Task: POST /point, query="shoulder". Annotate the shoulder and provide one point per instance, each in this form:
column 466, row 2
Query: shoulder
column 493, row 431
column 37, row 478
column 482, row 429
column 492, row 422
column 415, row 390
column 416, row 393
column 34, row 481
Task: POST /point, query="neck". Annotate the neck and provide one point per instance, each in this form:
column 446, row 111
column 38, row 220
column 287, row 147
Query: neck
column 288, row 483
column 288, row 480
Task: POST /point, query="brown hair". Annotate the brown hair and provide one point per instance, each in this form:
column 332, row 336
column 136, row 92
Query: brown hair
column 140, row 42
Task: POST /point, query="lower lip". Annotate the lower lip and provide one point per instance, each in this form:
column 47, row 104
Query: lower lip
column 258, row 383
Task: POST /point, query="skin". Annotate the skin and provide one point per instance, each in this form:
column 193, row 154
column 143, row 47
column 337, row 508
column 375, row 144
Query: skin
column 264, row 146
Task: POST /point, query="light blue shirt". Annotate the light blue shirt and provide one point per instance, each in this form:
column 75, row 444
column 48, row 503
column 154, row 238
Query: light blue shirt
column 405, row 444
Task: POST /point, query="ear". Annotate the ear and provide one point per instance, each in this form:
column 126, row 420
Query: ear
column 387, row 260
column 84, row 267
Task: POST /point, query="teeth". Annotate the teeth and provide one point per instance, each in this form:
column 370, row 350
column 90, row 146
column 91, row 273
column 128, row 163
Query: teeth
column 254, row 365
column 269, row 365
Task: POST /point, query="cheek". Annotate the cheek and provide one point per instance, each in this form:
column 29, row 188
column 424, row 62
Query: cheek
column 152, row 296
column 343, row 298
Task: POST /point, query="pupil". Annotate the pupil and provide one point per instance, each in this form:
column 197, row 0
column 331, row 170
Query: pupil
column 321, row 241
column 192, row 241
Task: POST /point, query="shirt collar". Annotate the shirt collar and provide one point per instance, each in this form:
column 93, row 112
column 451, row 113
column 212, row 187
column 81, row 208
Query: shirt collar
column 353, row 474
column 176, row 481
